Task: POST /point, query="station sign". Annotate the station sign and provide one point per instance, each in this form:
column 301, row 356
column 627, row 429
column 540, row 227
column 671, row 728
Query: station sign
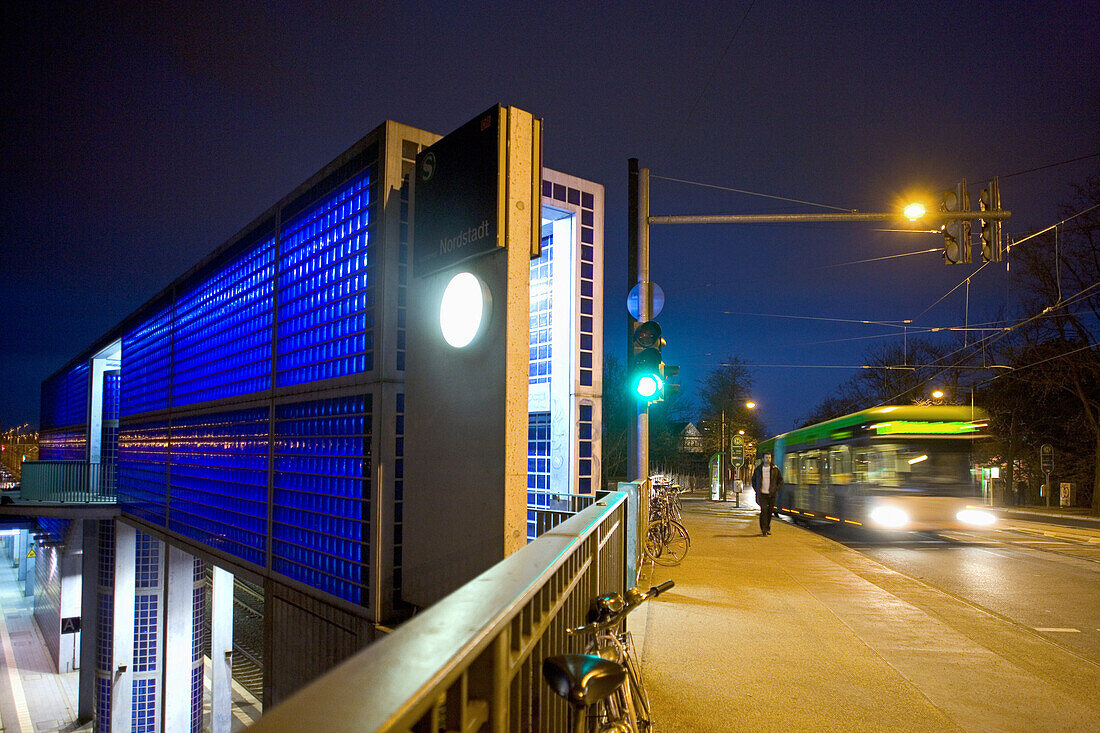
column 1046, row 458
column 738, row 449
column 458, row 205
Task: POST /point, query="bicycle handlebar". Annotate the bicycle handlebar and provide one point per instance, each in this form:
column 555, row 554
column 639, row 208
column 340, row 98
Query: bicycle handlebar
column 634, row 598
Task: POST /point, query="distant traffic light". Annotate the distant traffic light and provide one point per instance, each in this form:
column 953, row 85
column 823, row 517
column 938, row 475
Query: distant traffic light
column 646, row 378
column 990, row 200
column 956, row 232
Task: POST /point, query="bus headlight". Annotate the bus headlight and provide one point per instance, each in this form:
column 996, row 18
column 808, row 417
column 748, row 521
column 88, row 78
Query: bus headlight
column 976, row 517
column 889, row 516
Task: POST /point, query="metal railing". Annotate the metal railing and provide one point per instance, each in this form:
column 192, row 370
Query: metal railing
column 68, row 481
column 473, row 660
column 546, row 510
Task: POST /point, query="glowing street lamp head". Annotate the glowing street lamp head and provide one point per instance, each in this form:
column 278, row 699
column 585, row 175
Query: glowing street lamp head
column 751, row 405
column 937, row 394
column 464, row 310
column 914, row 211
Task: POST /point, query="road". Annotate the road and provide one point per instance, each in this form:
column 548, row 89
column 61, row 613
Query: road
column 1042, row 576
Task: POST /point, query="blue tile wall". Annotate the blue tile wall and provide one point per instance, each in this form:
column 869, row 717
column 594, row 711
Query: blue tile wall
column 111, row 383
column 326, row 293
column 321, row 515
column 584, row 448
column 218, row 475
column 146, row 365
column 65, row 399
column 538, row 466
column 221, row 343
column 105, row 617
column 63, row 445
column 143, row 470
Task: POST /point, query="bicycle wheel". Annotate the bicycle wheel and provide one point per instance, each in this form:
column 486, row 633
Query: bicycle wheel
column 657, row 533
column 674, row 547
column 638, row 692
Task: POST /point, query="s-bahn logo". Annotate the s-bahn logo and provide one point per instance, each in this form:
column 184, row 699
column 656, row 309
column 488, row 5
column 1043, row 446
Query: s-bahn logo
column 427, row 167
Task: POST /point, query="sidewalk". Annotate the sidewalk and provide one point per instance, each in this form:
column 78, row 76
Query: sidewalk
column 1066, row 517
column 794, row 632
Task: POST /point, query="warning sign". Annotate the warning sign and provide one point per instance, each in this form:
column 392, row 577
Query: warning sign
column 30, row 553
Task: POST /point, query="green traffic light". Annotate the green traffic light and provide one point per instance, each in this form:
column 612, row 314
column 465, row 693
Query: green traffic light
column 648, row 385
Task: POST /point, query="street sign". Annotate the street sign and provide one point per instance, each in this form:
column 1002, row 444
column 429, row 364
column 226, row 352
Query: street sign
column 737, row 450
column 70, row 625
column 456, row 200
column 634, row 299
column 1046, row 458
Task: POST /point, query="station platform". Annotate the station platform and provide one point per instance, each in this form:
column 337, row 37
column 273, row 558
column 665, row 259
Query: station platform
column 795, row 632
column 34, row 698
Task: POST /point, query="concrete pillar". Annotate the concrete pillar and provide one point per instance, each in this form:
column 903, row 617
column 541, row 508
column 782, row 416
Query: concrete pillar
column 123, row 647
column 29, row 568
column 221, row 652
column 70, row 558
column 179, row 636
column 19, row 556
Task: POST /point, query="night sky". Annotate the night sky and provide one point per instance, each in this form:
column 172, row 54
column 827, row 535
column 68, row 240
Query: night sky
column 139, row 138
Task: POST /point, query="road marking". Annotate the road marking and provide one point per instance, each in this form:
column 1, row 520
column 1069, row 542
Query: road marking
column 16, row 682
column 1067, row 631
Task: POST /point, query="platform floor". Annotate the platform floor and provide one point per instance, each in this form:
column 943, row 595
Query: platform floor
column 795, row 632
column 34, row 698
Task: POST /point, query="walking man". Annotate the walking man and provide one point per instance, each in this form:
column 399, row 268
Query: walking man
column 766, row 482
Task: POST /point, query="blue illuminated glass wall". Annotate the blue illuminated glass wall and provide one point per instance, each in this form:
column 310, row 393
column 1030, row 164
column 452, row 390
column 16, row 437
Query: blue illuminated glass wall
column 146, row 365
column 321, row 513
column 326, row 298
column 64, row 415
column 538, row 467
column 105, row 620
column 143, row 470
column 218, row 480
column 541, row 336
column 221, row 345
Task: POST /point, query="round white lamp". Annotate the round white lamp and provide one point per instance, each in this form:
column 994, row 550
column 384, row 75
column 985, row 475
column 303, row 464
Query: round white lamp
column 464, row 310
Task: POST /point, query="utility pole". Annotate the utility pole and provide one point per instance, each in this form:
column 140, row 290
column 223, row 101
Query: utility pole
column 637, row 258
column 637, row 268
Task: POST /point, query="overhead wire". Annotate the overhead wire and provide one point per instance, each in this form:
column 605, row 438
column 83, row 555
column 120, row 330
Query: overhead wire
column 752, row 193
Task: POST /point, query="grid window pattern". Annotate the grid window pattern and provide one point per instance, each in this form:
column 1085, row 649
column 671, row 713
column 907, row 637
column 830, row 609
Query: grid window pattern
column 65, row 399
column 147, row 562
column 102, row 703
column 105, row 582
column 218, row 471
column 146, row 362
column 144, row 718
column 222, row 337
column 145, row 632
column 63, row 445
column 398, row 497
column 321, row 513
column 538, row 466
column 143, row 470
column 112, row 381
column 198, row 638
column 542, row 278
column 584, row 448
column 586, row 201
column 326, row 298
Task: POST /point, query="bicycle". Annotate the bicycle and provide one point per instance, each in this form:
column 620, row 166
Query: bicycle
column 603, row 685
column 666, row 539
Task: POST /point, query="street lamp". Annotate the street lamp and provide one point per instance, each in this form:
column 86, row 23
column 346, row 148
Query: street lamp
column 914, row 211
column 937, row 394
column 751, row 405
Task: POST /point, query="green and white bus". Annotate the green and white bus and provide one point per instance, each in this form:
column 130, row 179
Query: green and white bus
column 899, row 467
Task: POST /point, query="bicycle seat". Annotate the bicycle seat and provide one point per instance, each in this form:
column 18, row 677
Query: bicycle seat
column 582, row 679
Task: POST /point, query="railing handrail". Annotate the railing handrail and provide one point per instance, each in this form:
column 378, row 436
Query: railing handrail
column 403, row 674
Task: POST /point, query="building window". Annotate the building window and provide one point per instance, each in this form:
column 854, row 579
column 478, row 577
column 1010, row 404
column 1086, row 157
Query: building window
column 542, row 279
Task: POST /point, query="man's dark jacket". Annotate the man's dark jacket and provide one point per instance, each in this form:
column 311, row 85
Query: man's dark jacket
column 775, row 484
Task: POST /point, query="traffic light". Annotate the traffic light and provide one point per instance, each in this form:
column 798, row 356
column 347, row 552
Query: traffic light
column 646, row 378
column 990, row 200
column 956, row 232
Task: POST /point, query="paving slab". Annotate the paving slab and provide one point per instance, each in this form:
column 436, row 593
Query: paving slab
column 795, row 632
